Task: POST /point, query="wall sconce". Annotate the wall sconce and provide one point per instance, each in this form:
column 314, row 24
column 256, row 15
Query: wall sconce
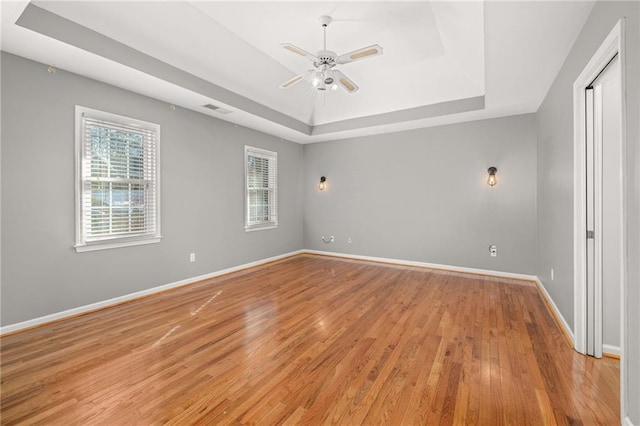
column 322, row 186
column 492, row 176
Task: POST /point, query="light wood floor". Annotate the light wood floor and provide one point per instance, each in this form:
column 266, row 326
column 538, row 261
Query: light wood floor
column 310, row 340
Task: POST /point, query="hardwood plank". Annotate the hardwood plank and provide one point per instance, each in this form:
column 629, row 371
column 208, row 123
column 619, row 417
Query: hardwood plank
column 312, row 340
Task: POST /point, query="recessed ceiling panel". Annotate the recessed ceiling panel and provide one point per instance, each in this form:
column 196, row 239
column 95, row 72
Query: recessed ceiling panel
column 433, row 52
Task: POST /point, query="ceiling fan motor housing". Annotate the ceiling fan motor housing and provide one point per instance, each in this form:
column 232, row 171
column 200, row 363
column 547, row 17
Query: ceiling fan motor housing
column 326, row 57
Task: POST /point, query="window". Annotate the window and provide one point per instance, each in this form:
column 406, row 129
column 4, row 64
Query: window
column 117, row 181
column 261, row 178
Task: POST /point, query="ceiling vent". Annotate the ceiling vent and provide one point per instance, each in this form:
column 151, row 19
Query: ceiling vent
column 217, row 109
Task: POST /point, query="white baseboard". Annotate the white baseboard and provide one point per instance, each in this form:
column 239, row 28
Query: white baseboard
column 563, row 322
column 120, row 299
column 610, row 349
column 127, row 297
column 627, row 422
column 427, row 265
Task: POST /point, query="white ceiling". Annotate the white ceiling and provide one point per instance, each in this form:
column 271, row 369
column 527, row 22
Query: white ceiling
column 443, row 62
column 415, row 37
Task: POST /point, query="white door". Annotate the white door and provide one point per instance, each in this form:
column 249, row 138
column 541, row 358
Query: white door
column 604, row 211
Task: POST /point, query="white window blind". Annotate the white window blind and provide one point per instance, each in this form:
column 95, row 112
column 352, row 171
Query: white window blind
column 261, row 188
column 118, row 184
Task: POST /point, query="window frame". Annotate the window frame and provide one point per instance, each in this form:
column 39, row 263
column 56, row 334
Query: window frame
column 110, row 242
column 272, row 156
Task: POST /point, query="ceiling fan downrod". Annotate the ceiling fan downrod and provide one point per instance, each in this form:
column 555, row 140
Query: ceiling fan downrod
column 325, row 21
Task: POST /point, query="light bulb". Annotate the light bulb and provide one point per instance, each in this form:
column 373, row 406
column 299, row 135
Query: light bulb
column 491, row 181
column 318, row 80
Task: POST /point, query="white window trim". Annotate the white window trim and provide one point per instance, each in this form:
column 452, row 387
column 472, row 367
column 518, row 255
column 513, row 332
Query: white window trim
column 272, row 155
column 114, row 242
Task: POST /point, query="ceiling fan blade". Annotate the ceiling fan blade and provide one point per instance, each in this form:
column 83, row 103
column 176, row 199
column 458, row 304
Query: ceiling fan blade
column 299, row 51
column 356, row 55
column 294, row 80
column 297, row 79
column 344, row 82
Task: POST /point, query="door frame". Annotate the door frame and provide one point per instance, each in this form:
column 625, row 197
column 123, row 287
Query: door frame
column 612, row 45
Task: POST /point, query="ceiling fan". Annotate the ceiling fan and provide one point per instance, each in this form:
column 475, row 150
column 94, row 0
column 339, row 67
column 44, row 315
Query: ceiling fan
column 324, row 75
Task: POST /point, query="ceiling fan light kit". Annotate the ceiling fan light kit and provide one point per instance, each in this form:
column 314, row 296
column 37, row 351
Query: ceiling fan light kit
column 325, row 75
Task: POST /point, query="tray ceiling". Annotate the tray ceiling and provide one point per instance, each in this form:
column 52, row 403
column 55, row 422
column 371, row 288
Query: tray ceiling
column 443, row 61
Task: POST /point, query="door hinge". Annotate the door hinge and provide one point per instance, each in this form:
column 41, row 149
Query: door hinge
column 590, row 235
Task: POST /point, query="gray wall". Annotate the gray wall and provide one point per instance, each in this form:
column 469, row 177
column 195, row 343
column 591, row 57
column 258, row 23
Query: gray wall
column 422, row 195
column 202, row 196
column 555, row 176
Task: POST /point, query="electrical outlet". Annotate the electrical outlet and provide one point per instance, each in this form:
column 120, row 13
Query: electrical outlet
column 493, row 250
column 192, row 257
column 349, row 240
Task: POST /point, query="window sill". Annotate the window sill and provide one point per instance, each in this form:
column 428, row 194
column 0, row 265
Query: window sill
column 260, row 227
column 115, row 244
